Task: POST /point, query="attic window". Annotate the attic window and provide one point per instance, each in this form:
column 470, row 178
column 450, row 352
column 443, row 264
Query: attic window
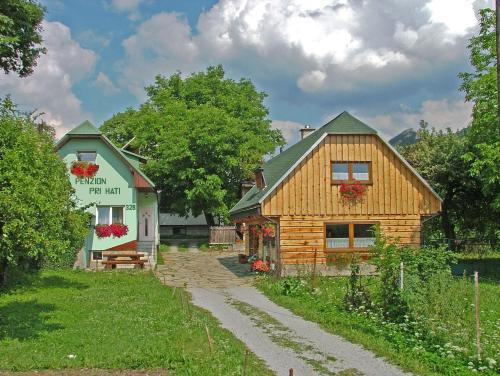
column 86, row 156
column 259, row 178
column 348, row 172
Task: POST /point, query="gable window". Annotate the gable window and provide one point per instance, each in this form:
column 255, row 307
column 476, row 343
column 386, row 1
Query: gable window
column 107, row 215
column 348, row 172
column 86, row 156
column 349, row 236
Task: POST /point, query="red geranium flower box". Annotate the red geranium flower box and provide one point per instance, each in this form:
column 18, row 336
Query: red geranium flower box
column 116, row 229
column 84, row 169
column 352, row 193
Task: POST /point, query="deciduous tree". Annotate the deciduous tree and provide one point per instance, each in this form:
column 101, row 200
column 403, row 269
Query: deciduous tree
column 20, row 35
column 203, row 135
column 39, row 223
column 438, row 157
column 480, row 88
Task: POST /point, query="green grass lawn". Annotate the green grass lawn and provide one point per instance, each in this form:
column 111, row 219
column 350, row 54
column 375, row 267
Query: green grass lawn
column 112, row 320
column 447, row 352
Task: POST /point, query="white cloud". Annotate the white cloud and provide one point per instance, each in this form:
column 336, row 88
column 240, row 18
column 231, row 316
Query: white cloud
column 289, row 129
column 104, row 83
column 162, row 44
column 322, row 45
column 50, row 88
column 128, row 6
column 311, row 81
column 440, row 114
column 457, row 17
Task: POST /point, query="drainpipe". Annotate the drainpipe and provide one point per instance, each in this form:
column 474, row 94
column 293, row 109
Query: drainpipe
column 157, row 232
column 278, row 251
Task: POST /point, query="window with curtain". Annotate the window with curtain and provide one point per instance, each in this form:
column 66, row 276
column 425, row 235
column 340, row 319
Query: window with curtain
column 347, row 236
column 107, row 215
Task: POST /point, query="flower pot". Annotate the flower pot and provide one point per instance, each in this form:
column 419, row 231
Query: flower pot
column 242, row 258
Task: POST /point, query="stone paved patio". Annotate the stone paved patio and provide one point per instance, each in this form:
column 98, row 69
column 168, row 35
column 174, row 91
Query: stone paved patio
column 204, row 269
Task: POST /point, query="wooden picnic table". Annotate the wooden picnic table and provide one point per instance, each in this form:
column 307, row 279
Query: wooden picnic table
column 125, row 258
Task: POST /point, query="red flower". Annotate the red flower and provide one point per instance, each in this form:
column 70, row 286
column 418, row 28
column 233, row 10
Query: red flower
column 103, row 231
column 119, row 229
column 352, row 192
column 260, row 266
column 116, row 229
column 84, row 169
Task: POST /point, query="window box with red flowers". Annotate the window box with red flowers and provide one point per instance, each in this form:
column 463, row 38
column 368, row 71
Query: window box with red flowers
column 116, row 229
column 352, row 193
column 84, row 169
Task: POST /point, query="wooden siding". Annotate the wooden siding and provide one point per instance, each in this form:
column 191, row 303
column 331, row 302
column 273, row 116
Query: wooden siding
column 307, row 199
column 302, row 236
column 308, row 189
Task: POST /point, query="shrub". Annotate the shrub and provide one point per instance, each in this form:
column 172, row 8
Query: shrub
column 424, row 270
column 293, row 286
column 356, row 295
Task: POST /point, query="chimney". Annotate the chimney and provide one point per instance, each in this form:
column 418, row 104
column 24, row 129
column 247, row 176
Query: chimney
column 245, row 186
column 304, row 132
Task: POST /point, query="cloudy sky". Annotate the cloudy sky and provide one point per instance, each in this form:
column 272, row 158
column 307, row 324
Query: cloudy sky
column 388, row 62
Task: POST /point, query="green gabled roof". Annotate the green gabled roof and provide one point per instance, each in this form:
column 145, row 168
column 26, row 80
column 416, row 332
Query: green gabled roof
column 86, row 128
column 278, row 166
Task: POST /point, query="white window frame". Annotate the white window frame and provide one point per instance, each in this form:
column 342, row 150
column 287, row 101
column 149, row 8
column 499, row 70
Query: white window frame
column 110, row 213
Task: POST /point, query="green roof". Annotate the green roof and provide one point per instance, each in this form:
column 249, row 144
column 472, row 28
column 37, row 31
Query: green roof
column 278, row 166
column 88, row 129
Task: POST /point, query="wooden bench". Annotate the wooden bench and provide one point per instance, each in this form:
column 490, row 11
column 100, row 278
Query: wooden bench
column 132, row 259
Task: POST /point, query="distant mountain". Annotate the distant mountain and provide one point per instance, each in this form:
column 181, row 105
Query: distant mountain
column 407, row 137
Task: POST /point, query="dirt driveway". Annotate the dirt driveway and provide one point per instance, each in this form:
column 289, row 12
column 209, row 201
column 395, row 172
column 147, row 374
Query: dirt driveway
column 219, row 284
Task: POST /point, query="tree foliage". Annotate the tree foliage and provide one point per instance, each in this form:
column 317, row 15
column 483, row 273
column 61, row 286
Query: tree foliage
column 438, row 157
column 20, row 35
column 39, row 223
column 203, row 135
column 480, row 88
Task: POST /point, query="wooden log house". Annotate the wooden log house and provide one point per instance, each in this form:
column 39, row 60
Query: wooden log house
column 299, row 190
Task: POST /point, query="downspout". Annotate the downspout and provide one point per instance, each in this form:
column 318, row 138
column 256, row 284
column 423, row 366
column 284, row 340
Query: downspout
column 157, row 232
column 278, row 251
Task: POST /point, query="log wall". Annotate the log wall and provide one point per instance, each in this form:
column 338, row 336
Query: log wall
column 306, row 199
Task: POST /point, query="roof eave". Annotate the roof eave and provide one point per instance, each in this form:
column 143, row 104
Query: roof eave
column 245, row 212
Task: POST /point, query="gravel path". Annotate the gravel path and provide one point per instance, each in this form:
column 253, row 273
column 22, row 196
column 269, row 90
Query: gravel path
column 283, row 340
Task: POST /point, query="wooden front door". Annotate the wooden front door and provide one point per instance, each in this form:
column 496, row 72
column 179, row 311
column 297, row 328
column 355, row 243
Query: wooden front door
column 146, row 225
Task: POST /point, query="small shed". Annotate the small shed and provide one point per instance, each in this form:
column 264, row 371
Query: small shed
column 176, row 226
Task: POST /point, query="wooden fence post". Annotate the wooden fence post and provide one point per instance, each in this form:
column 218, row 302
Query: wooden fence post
column 209, row 339
column 477, row 311
column 245, row 363
column 401, row 276
column 314, row 268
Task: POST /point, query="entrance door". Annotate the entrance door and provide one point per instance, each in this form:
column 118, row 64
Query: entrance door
column 146, row 226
